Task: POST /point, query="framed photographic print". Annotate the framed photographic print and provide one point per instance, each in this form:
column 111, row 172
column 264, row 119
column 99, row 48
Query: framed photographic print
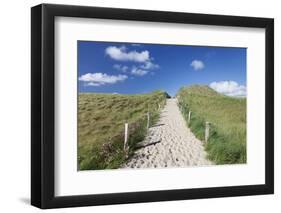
column 140, row 106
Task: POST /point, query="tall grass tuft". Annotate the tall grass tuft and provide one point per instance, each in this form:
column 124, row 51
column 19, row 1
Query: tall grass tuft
column 101, row 119
column 227, row 115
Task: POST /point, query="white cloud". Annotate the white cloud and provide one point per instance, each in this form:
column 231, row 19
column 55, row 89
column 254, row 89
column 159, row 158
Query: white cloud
column 230, row 88
column 144, row 61
column 148, row 65
column 138, row 71
column 121, row 54
column 197, row 65
column 120, row 67
column 98, row 79
column 93, row 84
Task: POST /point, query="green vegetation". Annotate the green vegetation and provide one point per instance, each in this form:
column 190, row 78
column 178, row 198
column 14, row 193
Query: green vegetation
column 227, row 115
column 101, row 119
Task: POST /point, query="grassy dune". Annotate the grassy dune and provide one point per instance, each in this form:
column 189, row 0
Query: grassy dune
column 227, row 142
column 101, row 119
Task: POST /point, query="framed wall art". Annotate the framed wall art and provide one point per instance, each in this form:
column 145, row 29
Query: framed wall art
column 139, row 106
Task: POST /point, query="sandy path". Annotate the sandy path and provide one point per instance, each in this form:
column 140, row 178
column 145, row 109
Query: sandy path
column 169, row 143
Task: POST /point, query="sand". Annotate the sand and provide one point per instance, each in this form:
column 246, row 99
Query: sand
column 169, row 143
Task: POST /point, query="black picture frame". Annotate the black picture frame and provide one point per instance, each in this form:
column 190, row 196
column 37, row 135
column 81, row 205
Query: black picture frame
column 43, row 102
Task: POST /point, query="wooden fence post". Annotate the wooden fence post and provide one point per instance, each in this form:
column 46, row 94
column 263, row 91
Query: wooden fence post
column 207, row 131
column 126, row 136
column 148, row 120
column 189, row 117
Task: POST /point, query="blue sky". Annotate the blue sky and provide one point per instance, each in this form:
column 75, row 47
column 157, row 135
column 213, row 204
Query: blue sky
column 127, row 68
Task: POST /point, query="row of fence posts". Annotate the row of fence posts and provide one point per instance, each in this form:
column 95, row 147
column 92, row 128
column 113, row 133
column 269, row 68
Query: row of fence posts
column 126, row 137
column 207, row 125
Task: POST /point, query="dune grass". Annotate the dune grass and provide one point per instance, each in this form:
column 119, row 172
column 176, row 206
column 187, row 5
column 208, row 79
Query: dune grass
column 227, row 115
column 101, row 119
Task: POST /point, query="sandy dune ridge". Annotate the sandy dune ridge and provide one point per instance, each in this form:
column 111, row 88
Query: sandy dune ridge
column 169, row 143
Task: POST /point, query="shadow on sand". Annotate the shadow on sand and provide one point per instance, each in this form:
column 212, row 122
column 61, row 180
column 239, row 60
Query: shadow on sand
column 149, row 144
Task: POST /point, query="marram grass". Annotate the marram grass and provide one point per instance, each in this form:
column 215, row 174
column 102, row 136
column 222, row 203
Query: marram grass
column 227, row 117
column 101, row 120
